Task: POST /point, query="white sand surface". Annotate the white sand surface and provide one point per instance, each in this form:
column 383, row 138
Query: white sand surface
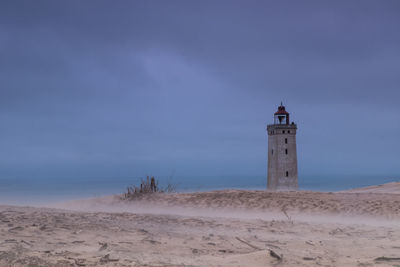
column 218, row 228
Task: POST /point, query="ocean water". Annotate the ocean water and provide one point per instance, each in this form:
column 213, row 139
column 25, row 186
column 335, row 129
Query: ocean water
column 28, row 191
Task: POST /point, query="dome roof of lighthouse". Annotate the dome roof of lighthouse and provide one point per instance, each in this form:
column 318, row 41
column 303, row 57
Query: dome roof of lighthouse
column 281, row 110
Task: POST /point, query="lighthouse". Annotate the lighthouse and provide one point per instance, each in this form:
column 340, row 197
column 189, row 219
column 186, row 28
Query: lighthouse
column 282, row 154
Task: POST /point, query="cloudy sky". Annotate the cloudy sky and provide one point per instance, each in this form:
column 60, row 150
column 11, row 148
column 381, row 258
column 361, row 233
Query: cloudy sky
column 105, row 88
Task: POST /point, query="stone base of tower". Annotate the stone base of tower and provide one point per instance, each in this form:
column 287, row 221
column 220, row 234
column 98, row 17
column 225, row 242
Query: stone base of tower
column 282, row 184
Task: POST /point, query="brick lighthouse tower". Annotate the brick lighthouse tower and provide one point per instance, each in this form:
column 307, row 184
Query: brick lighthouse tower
column 282, row 154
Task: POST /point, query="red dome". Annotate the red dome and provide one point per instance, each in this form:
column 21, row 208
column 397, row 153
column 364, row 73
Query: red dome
column 281, row 110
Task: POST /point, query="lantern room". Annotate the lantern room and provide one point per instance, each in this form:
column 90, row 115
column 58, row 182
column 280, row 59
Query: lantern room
column 281, row 116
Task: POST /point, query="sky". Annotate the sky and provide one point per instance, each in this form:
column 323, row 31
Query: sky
column 119, row 88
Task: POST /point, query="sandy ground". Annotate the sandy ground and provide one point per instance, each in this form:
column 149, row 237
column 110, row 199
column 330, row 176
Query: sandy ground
column 220, row 228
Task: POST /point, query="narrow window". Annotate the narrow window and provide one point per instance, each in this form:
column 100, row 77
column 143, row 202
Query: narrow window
column 286, row 151
column 272, row 152
column 288, row 131
column 285, row 140
column 287, row 174
column 283, row 131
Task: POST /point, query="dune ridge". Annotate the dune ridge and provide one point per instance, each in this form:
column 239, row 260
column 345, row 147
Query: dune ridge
column 370, row 201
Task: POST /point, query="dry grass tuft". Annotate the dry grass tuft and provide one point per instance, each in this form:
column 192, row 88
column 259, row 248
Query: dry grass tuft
column 148, row 186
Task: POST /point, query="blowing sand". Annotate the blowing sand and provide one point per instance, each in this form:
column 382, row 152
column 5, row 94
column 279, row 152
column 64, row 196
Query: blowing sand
column 219, row 228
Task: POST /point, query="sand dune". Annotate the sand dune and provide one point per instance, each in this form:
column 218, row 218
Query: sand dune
column 218, row 228
column 389, row 188
column 297, row 202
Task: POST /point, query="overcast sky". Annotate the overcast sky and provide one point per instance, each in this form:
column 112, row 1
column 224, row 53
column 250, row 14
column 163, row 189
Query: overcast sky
column 106, row 88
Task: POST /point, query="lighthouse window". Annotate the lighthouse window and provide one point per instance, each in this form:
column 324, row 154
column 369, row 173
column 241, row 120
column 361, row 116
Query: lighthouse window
column 287, row 174
column 272, row 152
column 288, row 131
column 283, row 131
column 286, row 151
column 285, row 140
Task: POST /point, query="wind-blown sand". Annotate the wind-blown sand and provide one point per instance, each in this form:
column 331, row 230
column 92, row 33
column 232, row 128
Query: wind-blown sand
column 359, row 227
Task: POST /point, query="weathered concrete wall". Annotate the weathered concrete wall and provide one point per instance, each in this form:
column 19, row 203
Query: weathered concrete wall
column 282, row 166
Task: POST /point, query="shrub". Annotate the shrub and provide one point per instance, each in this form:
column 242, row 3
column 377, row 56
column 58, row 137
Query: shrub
column 148, row 186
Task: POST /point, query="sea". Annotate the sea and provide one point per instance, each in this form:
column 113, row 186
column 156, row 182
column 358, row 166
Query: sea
column 41, row 191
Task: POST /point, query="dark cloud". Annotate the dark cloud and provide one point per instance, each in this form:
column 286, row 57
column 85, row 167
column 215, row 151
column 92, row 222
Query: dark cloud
column 126, row 87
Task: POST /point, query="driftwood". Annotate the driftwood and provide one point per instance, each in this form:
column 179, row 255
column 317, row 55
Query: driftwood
column 271, row 252
column 247, row 243
column 275, row 255
column 103, row 246
column 27, row 243
column 387, row 259
column 284, row 210
column 107, row 258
